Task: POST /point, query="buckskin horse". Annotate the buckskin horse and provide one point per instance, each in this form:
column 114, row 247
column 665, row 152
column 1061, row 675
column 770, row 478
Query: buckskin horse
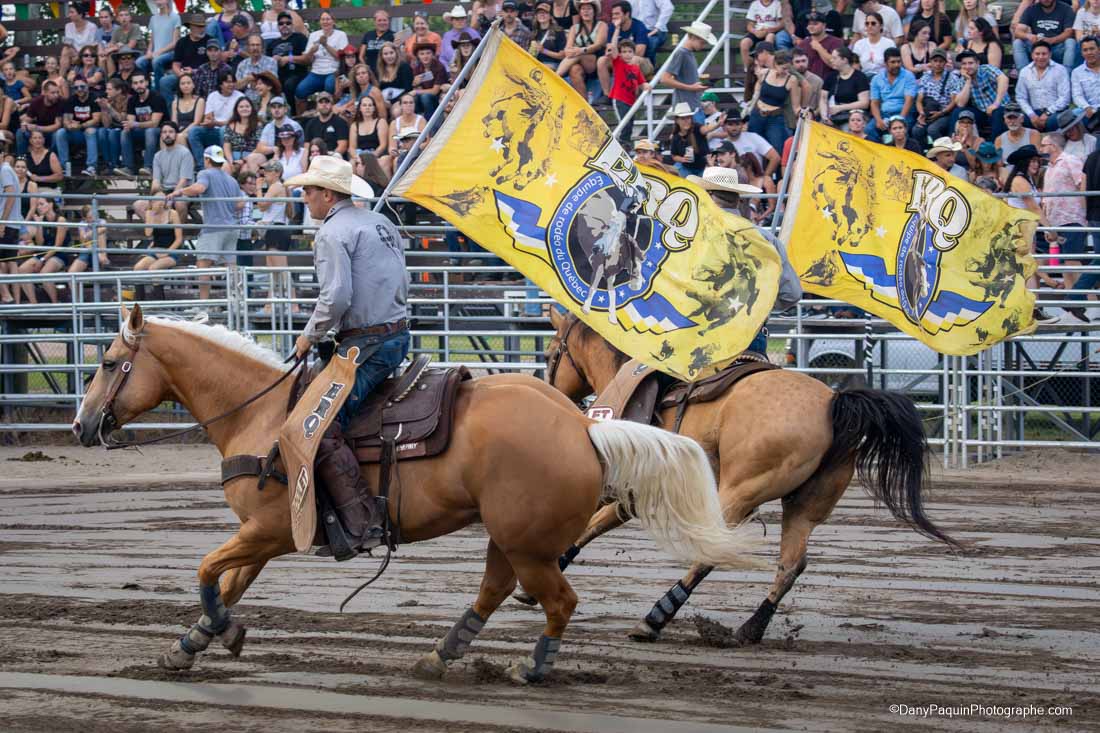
column 521, row 460
column 775, row 434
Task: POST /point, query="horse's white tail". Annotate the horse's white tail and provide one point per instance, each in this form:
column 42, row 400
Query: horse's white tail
column 667, row 481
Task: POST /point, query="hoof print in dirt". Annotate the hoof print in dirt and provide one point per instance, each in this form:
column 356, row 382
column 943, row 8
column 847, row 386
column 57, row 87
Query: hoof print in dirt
column 718, row 635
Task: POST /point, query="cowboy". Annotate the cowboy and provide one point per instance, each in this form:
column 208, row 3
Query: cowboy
column 726, row 189
column 363, row 289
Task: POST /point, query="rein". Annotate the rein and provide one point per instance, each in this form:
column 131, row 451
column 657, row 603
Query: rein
column 563, row 350
column 109, row 420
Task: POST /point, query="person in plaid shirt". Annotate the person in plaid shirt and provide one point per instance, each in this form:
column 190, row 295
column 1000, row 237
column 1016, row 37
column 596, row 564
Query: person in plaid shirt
column 982, row 89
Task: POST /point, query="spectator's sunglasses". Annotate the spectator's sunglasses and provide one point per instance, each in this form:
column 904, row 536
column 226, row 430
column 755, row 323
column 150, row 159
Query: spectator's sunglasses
column 286, row 22
column 871, row 22
column 87, row 55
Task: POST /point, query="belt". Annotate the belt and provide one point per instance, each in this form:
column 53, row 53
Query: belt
column 769, row 113
column 384, row 329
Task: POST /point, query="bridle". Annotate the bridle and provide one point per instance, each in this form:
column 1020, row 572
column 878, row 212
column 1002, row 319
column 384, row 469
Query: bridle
column 563, row 350
column 108, row 419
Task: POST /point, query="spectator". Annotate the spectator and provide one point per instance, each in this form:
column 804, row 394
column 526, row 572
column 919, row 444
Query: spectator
column 240, row 139
column 889, row 22
column 749, row 142
column 915, row 53
column 584, row 45
column 247, row 182
column 125, row 64
column 654, row 15
column 277, row 109
column 395, row 77
column 681, row 71
column 987, row 172
column 53, row 74
column 106, row 27
column 774, row 89
column 1079, row 143
column 215, row 238
column 1064, row 174
column 1026, row 164
column 689, row 144
column 361, row 84
column 89, row 70
column 221, row 25
column 264, row 89
column 126, row 36
column 79, row 32
column 819, row 47
column 187, row 109
column 164, row 230
column 328, row 126
column 217, row 110
column 207, row 76
column 9, row 211
column 26, row 186
column 112, row 117
column 164, row 32
column 405, row 120
column 623, row 27
column 291, row 155
column 564, row 13
column 969, row 11
column 982, row 89
column 982, row 39
column 1051, row 21
column 322, row 54
column 370, row 134
column 751, row 171
column 893, row 92
column 931, row 14
column 274, row 219
column 43, row 165
column 765, row 19
column 628, row 82
column 1085, row 82
column 943, row 153
column 422, row 34
column 646, row 153
column 254, row 64
column 46, row 233
column 288, row 51
column 897, row 135
column 1043, row 89
column 464, row 46
column 374, row 40
column 871, row 48
column 144, row 113
column 458, row 19
column 90, row 230
column 857, row 124
column 513, row 26
column 935, row 103
column 966, row 134
column 349, row 59
column 1016, row 135
column 811, row 84
column 43, row 114
column 848, row 89
column 188, row 56
column 79, row 121
column 549, row 39
column 1087, row 21
column 269, row 22
column 173, row 167
column 429, row 77
column 241, row 29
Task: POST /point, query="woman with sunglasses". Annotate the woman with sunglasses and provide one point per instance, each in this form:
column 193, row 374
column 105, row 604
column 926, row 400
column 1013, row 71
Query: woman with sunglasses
column 89, row 70
column 585, row 44
column 872, row 46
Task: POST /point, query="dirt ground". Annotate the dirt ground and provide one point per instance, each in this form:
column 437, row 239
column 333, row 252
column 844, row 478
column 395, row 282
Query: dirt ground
column 99, row 552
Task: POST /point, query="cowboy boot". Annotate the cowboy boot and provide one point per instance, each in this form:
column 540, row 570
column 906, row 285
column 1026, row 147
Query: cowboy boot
column 352, row 518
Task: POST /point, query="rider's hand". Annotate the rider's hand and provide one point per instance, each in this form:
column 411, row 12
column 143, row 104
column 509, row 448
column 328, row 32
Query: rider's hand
column 302, row 345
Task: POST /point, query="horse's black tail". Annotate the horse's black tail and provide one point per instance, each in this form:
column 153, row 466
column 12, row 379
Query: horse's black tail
column 883, row 431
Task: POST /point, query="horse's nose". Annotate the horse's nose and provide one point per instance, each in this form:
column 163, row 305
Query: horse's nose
column 76, row 428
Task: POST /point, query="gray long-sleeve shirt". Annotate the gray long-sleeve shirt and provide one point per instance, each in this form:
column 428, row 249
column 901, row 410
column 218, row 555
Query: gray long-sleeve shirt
column 361, row 272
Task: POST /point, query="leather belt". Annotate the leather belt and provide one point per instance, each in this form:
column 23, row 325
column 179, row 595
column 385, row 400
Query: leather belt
column 384, row 329
column 769, row 113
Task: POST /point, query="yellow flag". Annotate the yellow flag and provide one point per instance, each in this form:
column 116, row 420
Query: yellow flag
column 527, row 169
column 893, row 233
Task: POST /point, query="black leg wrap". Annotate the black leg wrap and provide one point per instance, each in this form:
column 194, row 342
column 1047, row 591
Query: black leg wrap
column 568, row 557
column 752, row 631
column 457, row 641
column 666, row 608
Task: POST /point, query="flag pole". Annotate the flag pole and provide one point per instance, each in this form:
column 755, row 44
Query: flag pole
column 414, row 151
column 785, row 183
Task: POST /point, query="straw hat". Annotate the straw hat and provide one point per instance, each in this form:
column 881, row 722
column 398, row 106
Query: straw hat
column 943, row 145
column 645, row 144
column 701, row 30
column 716, row 178
column 682, row 109
column 590, row 2
column 335, row 174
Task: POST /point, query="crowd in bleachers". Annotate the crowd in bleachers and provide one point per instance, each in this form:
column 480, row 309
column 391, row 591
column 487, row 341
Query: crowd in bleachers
column 1003, row 95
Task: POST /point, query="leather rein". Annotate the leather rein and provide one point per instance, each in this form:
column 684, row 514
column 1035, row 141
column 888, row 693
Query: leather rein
column 563, row 350
column 107, row 412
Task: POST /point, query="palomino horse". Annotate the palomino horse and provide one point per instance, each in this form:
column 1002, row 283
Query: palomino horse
column 774, row 435
column 521, row 460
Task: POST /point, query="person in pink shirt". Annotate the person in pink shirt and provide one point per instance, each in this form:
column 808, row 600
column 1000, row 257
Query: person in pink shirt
column 1064, row 174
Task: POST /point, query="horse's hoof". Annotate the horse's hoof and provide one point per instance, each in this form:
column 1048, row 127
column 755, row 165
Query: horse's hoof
column 524, row 597
column 523, row 672
column 430, row 667
column 176, row 659
column 644, row 632
column 233, row 638
column 747, row 637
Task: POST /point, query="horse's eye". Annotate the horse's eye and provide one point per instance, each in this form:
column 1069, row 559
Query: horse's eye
column 109, row 365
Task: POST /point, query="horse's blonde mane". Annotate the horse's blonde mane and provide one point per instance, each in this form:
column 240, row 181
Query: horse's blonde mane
column 219, row 335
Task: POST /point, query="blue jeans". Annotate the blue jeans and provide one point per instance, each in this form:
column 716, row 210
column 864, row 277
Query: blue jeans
column 313, row 83
column 151, row 136
column 86, row 137
column 160, row 64
column 783, row 40
column 167, row 87
column 1064, row 53
column 426, row 104
column 772, row 128
column 374, row 370
column 653, row 43
column 199, row 137
column 759, row 343
column 23, row 141
column 109, row 140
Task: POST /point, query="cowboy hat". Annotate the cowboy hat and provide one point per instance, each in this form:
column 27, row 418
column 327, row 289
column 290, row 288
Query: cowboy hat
column 716, row 178
column 682, row 109
column 987, row 152
column 943, row 145
column 645, row 144
column 590, row 2
column 1067, row 118
column 1022, row 154
column 458, row 12
column 700, row 29
column 463, row 37
column 335, row 174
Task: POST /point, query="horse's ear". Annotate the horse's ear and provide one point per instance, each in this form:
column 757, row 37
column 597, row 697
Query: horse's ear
column 556, row 318
column 136, row 321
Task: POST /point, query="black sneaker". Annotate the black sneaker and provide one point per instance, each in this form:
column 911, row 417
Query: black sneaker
column 1042, row 317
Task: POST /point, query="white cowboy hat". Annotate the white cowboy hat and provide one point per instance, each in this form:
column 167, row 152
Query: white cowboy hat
column 457, row 12
column 943, row 145
column 702, row 30
column 682, row 109
column 215, row 153
column 716, row 178
column 589, row 2
column 335, row 174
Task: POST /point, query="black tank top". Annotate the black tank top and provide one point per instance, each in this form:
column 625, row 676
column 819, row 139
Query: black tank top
column 774, row 95
column 567, row 20
column 185, row 119
column 367, row 141
column 41, row 168
column 164, row 237
column 24, row 203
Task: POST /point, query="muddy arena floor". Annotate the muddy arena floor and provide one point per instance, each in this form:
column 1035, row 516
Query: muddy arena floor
column 99, row 553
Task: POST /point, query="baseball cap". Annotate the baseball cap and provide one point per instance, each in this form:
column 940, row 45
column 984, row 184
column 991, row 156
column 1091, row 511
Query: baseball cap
column 815, row 17
column 966, row 115
column 725, row 147
column 277, row 100
column 286, row 131
column 709, row 97
column 1012, row 108
column 937, row 53
column 213, row 43
column 197, row 20
column 322, row 95
column 214, row 153
column 273, row 165
column 241, row 20
column 509, row 4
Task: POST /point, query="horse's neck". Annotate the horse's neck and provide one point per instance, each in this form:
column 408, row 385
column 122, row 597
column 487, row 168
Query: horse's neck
column 600, row 365
column 210, row 379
